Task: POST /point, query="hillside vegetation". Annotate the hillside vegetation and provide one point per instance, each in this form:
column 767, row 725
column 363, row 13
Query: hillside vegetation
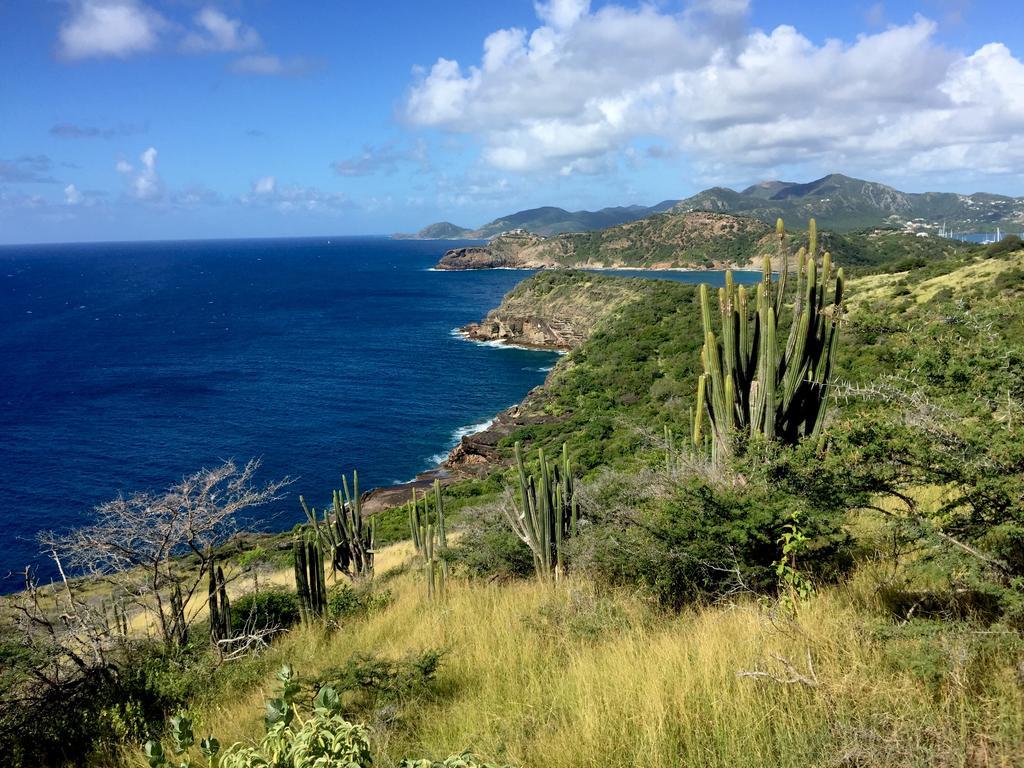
column 693, row 240
column 851, row 600
column 839, row 202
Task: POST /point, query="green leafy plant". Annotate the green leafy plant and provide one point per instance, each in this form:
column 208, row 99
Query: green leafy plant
column 318, row 738
column 795, row 586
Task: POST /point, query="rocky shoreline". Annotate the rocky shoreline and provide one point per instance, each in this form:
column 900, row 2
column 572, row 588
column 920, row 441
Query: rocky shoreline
column 474, row 456
column 527, row 318
column 554, row 311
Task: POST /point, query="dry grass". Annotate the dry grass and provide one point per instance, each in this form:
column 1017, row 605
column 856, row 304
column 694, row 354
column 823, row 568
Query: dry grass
column 575, row 677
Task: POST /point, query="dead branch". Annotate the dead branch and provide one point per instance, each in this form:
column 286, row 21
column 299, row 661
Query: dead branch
column 792, row 675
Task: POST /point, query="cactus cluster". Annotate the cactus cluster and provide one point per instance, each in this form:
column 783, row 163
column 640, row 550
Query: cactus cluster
column 754, row 386
column 220, row 606
column 426, row 536
column 309, row 578
column 548, row 511
column 344, row 533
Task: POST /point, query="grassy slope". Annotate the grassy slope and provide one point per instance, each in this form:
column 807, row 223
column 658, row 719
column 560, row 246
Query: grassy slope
column 574, row 677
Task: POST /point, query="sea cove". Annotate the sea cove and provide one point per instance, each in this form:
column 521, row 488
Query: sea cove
column 320, row 355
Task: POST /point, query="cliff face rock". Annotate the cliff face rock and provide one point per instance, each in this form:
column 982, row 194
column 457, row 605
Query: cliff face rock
column 530, row 331
column 476, row 257
column 553, row 310
column 517, row 249
column 478, row 453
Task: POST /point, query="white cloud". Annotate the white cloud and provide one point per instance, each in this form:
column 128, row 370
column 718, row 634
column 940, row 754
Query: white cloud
column 99, row 28
column 71, row 195
column 266, row 192
column 218, row 33
column 582, row 89
column 146, row 183
column 264, row 186
column 561, row 14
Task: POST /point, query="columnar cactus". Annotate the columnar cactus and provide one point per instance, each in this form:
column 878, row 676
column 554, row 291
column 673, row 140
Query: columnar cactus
column 547, row 513
column 220, row 606
column 751, row 385
column 347, row 536
column 309, row 578
column 426, row 536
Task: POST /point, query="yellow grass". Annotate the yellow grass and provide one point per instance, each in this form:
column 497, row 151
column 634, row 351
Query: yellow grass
column 867, row 289
column 573, row 677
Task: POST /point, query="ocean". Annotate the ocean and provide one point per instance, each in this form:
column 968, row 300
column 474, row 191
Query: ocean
column 127, row 365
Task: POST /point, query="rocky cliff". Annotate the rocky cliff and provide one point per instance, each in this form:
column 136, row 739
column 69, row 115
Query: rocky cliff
column 556, row 310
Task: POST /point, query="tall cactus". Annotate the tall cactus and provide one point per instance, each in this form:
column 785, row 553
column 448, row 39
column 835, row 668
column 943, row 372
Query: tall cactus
column 427, row 536
column 309, row 578
column 347, row 536
column 753, row 386
column 547, row 513
column 179, row 626
column 220, row 606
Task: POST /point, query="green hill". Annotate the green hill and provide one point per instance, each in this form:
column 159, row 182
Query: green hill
column 688, row 239
column 843, row 203
column 838, row 202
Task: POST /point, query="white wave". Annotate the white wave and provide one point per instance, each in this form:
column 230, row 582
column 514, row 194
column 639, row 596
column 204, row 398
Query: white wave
column 501, row 343
column 456, row 438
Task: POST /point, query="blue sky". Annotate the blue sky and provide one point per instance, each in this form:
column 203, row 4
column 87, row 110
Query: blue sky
column 140, row 119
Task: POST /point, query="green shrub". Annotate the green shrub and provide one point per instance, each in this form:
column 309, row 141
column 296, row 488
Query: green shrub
column 692, row 539
column 1008, row 244
column 489, row 549
column 275, row 608
column 84, row 719
column 345, row 601
column 1011, row 279
column 368, row 681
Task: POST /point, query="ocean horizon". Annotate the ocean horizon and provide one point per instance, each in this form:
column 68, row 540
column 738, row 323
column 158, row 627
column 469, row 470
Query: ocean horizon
column 130, row 364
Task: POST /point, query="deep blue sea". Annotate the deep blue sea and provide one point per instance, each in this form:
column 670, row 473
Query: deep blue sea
column 125, row 366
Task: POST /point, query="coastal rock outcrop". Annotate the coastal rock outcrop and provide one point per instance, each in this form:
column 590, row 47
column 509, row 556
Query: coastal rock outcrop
column 556, row 310
column 476, row 257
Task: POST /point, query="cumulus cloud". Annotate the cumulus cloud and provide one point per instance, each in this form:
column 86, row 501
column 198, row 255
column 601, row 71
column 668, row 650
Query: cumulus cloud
column 71, row 195
column 267, row 193
column 144, row 183
column 100, row 28
column 585, row 86
column 216, row 32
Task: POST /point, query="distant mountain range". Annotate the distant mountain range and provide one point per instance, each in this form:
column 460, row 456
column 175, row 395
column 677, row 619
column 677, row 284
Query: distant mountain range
column 544, row 221
column 838, row 202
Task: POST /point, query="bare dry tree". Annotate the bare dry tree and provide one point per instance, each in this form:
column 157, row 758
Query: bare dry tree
column 136, row 543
